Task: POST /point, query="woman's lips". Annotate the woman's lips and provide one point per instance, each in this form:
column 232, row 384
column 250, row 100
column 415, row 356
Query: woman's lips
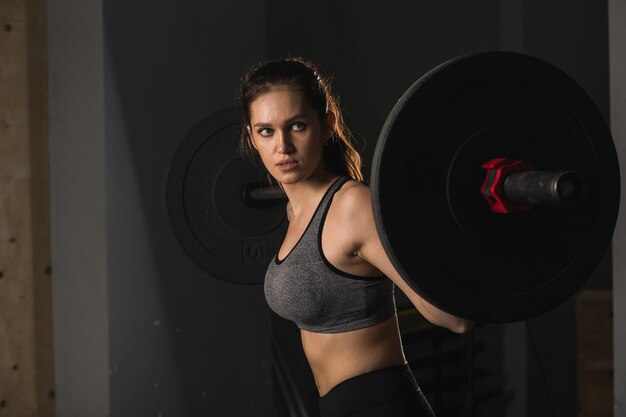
column 286, row 165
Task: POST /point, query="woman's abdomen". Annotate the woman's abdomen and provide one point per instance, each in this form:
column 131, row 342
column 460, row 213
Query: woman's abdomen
column 337, row 357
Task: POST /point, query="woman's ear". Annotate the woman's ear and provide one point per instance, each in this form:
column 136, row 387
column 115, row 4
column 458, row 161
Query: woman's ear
column 249, row 130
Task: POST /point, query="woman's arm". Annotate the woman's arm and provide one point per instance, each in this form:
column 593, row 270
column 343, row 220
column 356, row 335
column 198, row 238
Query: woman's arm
column 356, row 208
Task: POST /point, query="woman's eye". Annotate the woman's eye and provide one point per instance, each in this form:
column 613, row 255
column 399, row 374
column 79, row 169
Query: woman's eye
column 298, row 126
column 266, row 131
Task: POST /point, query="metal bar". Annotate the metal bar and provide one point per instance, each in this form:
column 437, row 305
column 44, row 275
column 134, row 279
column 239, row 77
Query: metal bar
column 544, row 187
column 254, row 193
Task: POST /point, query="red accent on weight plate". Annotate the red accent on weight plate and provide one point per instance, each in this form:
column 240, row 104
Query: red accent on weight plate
column 493, row 186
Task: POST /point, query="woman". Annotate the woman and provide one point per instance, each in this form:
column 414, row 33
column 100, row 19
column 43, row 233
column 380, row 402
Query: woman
column 331, row 274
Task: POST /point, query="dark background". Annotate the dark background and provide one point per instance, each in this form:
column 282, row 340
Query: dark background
column 179, row 343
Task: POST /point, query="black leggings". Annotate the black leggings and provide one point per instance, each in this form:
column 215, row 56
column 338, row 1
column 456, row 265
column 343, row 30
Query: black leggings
column 388, row 392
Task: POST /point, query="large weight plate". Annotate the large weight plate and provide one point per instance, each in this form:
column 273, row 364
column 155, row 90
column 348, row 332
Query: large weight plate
column 228, row 239
column 433, row 221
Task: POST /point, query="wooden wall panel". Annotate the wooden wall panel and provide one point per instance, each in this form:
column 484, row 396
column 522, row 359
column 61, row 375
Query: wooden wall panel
column 26, row 359
column 594, row 322
column 617, row 80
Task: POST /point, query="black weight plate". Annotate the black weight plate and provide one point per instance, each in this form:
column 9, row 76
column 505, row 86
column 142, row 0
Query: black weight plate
column 427, row 172
column 227, row 238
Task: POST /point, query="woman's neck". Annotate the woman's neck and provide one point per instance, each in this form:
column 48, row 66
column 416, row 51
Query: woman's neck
column 307, row 193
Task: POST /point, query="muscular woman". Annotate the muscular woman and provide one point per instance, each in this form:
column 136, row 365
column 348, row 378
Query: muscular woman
column 331, row 275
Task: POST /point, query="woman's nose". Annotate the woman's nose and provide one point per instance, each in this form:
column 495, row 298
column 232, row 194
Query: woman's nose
column 284, row 144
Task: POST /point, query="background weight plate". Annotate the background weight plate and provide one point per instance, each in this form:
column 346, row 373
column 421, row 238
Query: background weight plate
column 437, row 227
column 228, row 239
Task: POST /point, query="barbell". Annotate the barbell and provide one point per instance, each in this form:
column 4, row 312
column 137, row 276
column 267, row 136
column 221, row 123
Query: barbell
column 495, row 188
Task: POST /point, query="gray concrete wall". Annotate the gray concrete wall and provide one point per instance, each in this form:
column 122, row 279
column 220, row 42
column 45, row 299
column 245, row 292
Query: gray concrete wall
column 77, row 203
column 139, row 330
column 617, row 59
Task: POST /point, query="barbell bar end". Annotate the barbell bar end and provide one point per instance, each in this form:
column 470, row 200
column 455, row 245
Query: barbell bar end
column 253, row 194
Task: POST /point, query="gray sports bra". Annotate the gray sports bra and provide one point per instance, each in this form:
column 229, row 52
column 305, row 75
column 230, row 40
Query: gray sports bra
column 305, row 288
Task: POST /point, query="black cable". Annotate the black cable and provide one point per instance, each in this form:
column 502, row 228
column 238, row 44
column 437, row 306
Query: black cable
column 541, row 370
column 287, row 390
column 470, row 407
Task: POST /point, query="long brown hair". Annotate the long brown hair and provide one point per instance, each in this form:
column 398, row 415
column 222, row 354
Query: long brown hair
column 303, row 76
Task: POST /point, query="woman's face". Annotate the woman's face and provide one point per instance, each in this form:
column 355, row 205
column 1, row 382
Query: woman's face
column 288, row 135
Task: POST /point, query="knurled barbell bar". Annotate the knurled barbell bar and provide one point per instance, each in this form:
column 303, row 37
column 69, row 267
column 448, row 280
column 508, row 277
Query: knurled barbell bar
column 505, row 192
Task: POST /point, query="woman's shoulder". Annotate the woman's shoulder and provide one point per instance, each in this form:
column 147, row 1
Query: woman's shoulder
column 352, row 212
column 353, row 198
column 354, row 189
